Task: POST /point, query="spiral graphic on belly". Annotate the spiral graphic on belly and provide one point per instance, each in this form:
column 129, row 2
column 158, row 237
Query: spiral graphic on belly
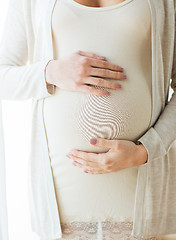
column 99, row 117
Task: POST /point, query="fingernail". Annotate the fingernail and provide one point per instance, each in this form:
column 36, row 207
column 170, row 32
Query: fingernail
column 123, row 76
column 121, row 69
column 93, row 140
column 69, row 156
column 85, row 171
column 106, row 92
column 74, row 163
column 118, row 85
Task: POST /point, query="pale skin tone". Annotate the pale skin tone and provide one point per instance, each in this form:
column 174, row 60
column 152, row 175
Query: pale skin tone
column 78, row 72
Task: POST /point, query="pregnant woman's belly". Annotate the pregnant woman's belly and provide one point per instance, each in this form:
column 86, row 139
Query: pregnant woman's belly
column 72, row 118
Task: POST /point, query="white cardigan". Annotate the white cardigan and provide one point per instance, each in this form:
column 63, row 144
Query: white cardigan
column 25, row 49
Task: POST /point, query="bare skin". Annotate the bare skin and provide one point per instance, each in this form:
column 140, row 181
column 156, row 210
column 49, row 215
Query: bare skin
column 80, row 70
column 98, row 3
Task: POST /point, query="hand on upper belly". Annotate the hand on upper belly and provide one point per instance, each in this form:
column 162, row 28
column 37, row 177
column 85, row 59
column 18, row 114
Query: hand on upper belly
column 122, row 154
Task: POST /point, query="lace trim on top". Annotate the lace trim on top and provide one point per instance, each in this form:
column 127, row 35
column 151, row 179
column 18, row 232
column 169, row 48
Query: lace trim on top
column 99, row 230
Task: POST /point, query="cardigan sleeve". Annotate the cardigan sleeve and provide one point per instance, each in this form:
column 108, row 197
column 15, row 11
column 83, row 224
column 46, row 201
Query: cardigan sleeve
column 19, row 80
column 159, row 138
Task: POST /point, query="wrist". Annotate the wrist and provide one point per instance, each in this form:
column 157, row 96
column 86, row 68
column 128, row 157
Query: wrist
column 48, row 70
column 142, row 154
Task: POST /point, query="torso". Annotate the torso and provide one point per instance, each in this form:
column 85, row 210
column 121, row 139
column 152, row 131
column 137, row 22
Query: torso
column 72, row 117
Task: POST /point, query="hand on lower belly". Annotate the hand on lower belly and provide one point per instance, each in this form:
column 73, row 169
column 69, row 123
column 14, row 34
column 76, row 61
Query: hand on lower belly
column 121, row 155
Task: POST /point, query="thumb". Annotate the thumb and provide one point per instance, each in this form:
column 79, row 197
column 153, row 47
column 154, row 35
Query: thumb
column 102, row 142
column 91, row 55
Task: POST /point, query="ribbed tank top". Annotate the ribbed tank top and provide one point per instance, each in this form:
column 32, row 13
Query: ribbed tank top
column 121, row 33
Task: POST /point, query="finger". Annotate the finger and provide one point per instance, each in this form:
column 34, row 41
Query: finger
column 102, row 142
column 102, row 83
column 105, row 64
column 95, row 172
column 88, row 156
column 88, row 168
column 93, row 90
column 106, row 73
column 91, row 55
column 84, row 162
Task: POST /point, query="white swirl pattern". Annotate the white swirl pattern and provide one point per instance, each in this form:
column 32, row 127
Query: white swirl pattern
column 100, row 118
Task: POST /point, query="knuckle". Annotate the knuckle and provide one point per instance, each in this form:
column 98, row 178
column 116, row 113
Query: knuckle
column 100, row 81
column 81, row 70
column 86, row 164
column 122, row 75
column 104, row 64
column 93, row 55
column 102, row 160
column 79, row 52
column 105, row 162
column 100, row 92
column 108, row 162
column 108, row 167
column 94, row 90
column 90, row 89
column 118, row 145
column 118, row 75
column 78, row 80
column 105, row 72
column 113, row 85
column 115, row 67
column 84, row 60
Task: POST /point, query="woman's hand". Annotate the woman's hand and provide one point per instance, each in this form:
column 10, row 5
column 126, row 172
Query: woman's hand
column 122, row 154
column 80, row 70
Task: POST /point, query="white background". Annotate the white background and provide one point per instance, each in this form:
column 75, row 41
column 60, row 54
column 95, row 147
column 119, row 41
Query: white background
column 16, row 115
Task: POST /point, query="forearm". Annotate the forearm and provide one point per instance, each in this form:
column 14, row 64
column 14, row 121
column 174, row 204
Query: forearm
column 23, row 82
column 142, row 154
column 18, row 80
column 159, row 137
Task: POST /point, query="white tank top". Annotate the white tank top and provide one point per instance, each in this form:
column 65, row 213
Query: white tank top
column 121, row 33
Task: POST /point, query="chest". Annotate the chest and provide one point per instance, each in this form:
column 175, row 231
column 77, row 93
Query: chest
column 98, row 3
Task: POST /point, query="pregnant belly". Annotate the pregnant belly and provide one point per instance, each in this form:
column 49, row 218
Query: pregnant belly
column 73, row 118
